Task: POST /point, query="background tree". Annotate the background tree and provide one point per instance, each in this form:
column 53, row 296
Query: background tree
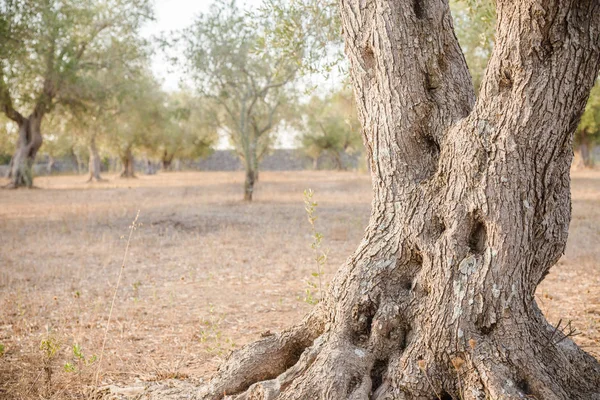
column 588, row 131
column 474, row 21
column 331, row 126
column 46, row 47
column 63, row 141
column 191, row 129
column 139, row 117
column 235, row 65
column 471, row 208
column 8, row 139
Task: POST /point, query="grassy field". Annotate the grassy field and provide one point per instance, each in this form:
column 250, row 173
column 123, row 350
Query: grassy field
column 205, row 272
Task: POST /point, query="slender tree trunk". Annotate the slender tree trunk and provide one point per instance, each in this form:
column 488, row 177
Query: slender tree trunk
column 316, row 163
column 251, row 161
column 78, row 162
column 585, row 148
column 94, row 163
column 30, row 141
column 471, row 209
column 50, row 165
column 339, row 165
column 166, row 161
column 255, row 162
column 249, row 184
column 128, row 164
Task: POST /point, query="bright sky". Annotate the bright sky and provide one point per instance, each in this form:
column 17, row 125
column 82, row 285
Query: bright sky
column 174, row 15
column 171, row 15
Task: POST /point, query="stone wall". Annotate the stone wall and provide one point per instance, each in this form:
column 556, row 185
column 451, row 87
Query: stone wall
column 220, row 160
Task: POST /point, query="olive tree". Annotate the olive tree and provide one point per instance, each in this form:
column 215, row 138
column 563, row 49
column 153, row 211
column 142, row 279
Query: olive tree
column 190, row 130
column 234, row 64
column 588, row 131
column 330, row 126
column 471, row 209
column 46, row 49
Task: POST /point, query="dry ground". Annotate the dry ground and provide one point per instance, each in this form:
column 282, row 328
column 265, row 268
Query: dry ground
column 206, row 273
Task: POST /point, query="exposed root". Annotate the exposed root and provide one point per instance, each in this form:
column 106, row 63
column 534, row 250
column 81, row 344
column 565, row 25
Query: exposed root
column 264, row 359
column 335, row 367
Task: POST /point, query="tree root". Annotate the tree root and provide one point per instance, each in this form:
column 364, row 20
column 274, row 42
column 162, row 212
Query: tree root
column 264, row 359
column 335, row 367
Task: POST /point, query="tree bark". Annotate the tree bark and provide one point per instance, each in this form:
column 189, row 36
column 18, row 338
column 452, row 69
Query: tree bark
column 128, row 164
column 30, row 141
column 94, row 163
column 471, row 209
column 249, row 184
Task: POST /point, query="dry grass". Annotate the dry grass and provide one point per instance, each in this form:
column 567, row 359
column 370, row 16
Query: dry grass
column 206, row 272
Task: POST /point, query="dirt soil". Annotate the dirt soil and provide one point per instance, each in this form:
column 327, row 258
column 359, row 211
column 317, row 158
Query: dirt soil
column 205, row 272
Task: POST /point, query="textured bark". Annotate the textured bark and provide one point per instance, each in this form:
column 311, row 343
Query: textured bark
column 94, row 164
column 128, row 164
column 30, row 141
column 471, row 209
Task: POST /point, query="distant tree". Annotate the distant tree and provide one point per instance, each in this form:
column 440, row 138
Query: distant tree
column 588, row 131
column 474, row 26
column 137, row 118
column 234, row 64
column 46, row 49
column 331, row 126
column 8, row 139
column 62, row 141
column 190, row 129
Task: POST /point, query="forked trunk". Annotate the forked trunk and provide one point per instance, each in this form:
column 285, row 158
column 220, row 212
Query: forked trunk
column 94, row 164
column 471, row 209
column 30, row 141
column 128, row 164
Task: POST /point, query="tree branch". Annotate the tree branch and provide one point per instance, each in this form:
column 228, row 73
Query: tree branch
column 413, row 77
column 6, row 103
column 550, row 71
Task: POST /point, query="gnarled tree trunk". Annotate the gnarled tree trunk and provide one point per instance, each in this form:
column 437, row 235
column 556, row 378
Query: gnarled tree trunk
column 471, row 209
column 30, row 141
column 94, row 164
column 128, row 164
